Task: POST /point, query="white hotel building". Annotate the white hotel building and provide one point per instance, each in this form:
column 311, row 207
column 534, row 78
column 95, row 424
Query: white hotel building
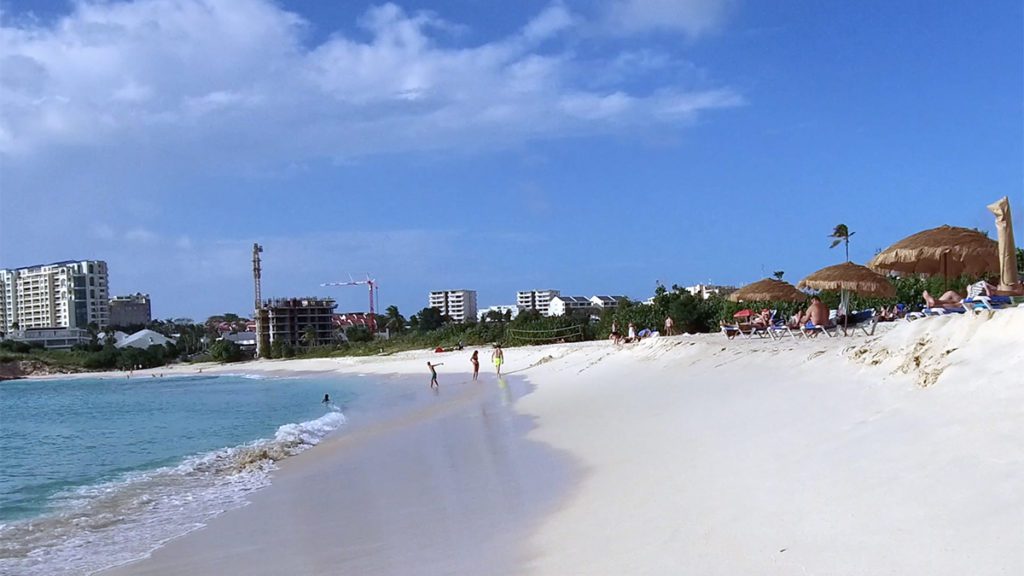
column 69, row 294
column 459, row 305
column 562, row 305
column 539, row 300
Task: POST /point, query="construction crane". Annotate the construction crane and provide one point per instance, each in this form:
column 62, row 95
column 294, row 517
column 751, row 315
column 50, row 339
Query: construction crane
column 257, row 273
column 372, row 285
column 262, row 329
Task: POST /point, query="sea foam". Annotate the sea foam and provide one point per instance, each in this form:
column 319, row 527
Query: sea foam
column 103, row 525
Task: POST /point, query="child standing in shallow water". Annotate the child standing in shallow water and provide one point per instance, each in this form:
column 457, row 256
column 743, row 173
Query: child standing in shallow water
column 475, row 360
column 433, row 373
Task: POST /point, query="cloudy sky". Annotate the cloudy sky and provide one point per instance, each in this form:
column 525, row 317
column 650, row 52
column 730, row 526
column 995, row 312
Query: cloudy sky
column 592, row 146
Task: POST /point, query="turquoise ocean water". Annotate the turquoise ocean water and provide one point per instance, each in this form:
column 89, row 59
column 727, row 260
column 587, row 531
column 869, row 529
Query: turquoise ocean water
column 97, row 472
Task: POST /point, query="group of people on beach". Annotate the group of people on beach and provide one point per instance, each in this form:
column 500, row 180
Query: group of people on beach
column 633, row 335
column 818, row 314
column 497, row 358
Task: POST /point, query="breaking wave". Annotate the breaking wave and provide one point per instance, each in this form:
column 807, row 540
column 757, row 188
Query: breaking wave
column 103, row 525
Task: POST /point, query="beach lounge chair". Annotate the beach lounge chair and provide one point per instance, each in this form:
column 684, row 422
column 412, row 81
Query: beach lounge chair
column 730, row 330
column 979, row 303
column 862, row 321
column 749, row 330
column 780, row 330
column 810, row 330
column 757, row 330
column 942, row 311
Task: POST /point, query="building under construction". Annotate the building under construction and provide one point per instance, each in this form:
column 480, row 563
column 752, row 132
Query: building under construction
column 289, row 320
column 292, row 321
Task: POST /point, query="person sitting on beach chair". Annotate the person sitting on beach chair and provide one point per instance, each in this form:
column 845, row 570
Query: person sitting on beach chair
column 816, row 318
column 763, row 319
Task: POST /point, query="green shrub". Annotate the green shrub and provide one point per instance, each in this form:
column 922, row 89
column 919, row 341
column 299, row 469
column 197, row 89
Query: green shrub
column 358, row 334
column 225, row 351
column 282, row 349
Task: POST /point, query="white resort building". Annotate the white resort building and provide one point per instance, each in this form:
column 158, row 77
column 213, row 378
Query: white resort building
column 606, row 301
column 704, row 291
column 562, row 305
column 502, row 309
column 70, row 294
column 458, row 305
column 538, row 300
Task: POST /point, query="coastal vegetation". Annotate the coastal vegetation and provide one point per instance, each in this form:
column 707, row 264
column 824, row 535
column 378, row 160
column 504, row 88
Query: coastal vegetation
column 429, row 328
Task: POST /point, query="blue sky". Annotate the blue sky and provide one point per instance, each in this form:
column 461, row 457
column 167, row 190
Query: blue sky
column 594, row 147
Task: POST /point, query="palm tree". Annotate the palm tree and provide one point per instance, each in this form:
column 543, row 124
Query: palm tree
column 395, row 321
column 841, row 235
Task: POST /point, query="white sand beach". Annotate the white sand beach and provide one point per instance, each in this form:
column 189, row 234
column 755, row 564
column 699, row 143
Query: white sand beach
column 901, row 453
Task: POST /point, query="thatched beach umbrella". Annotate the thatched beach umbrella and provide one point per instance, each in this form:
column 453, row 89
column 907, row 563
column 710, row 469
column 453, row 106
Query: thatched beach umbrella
column 1007, row 252
column 769, row 289
column 850, row 277
column 946, row 250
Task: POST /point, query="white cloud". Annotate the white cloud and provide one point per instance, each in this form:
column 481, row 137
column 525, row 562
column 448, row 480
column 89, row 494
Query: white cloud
column 687, row 105
column 691, row 17
column 103, row 232
column 552, row 20
column 593, row 107
column 140, row 235
column 202, row 74
column 133, row 92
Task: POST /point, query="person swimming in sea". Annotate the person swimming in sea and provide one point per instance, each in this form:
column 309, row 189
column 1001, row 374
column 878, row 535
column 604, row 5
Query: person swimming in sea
column 327, row 399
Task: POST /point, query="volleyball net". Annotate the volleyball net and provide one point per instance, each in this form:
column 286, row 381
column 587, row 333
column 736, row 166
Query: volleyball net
column 546, row 336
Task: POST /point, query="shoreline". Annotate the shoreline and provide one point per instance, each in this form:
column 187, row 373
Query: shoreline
column 895, row 452
column 373, row 455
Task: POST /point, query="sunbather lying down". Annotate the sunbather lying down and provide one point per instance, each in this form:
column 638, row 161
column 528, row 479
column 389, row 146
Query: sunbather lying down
column 949, row 299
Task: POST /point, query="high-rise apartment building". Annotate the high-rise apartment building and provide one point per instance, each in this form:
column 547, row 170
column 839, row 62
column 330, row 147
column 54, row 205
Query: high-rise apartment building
column 459, row 305
column 130, row 310
column 70, row 294
column 539, row 300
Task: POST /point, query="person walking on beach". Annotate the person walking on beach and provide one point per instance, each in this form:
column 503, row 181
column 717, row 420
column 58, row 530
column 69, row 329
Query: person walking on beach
column 498, row 357
column 668, row 326
column 475, row 360
column 433, row 374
